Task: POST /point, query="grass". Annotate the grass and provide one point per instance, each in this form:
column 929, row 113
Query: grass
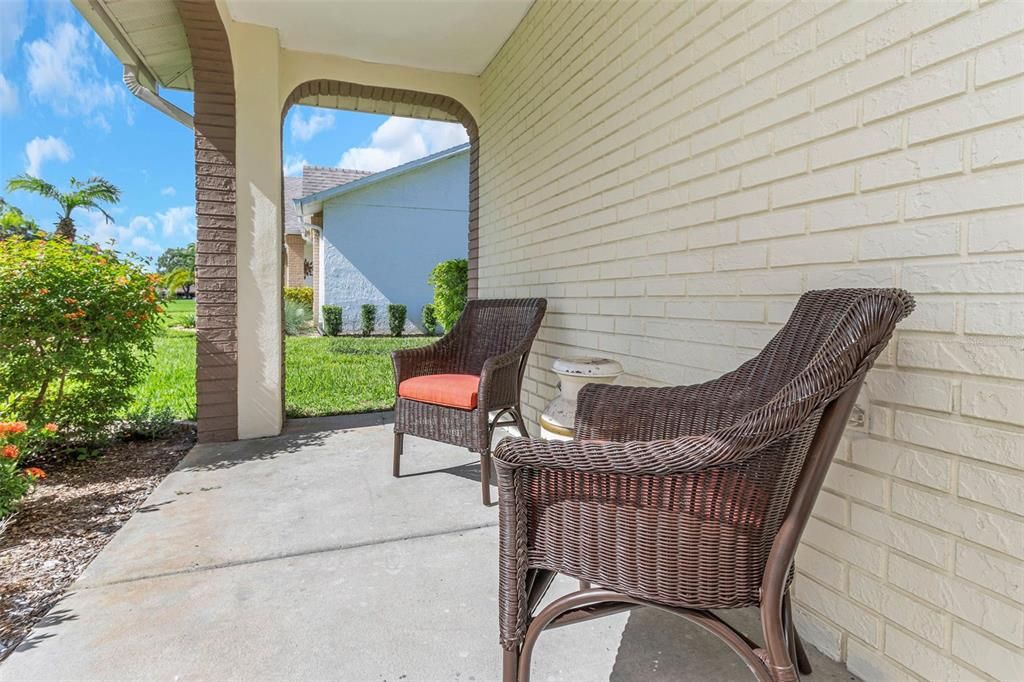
column 340, row 375
column 178, row 310
column 323, row 375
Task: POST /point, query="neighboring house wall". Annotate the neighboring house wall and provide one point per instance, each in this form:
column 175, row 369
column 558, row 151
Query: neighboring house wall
column 380, row 242
column 672, row 179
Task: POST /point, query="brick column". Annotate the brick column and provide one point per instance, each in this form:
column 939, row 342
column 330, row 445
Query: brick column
column 295, row 271
column 314, row 239
column 216, row 267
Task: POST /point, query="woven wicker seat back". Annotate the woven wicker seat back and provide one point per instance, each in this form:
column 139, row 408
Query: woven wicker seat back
column 676, row 495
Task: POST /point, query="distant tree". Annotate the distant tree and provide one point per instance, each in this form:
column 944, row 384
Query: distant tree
column 14, row 223
column 177, row 259
column 177, row 266
column 87, row 195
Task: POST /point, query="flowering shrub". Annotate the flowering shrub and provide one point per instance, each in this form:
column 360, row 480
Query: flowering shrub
column 301, row 295
column 76, row 333
column 17, row 441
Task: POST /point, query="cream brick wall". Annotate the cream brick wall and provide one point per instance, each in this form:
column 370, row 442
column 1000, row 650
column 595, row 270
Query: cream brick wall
column 671, row 176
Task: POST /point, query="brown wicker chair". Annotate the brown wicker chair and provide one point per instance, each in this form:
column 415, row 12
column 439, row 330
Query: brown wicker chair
column 491, row 341
column 689, row 498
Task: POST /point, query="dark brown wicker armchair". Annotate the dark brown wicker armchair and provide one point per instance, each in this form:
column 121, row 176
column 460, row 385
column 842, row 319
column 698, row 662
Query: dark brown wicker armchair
column 690, row 498
column 479, row 369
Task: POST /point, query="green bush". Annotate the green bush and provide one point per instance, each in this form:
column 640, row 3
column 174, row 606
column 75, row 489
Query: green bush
column 77, row 325
column 147, row 423
column 367, row 318
column 301, row 295
column 429, row 320
column 450, row 280
column 296, row 318
column 396, row 318
column 332, row 319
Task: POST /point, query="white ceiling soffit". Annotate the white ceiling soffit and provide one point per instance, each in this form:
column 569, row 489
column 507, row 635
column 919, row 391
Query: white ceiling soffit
column 457, row 36
column 148, row 34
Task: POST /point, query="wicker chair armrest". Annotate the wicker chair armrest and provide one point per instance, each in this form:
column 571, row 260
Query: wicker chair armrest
column 645, row 413
column 690, row 454
column 499, row 378
column 437, row 358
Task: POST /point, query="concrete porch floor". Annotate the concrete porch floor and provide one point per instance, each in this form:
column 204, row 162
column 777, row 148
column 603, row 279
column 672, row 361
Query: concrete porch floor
column 300, row 557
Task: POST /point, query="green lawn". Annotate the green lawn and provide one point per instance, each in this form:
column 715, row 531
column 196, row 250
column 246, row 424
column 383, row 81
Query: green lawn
column 323, row 375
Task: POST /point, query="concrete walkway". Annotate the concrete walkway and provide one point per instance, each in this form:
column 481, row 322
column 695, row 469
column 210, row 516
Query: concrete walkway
column 300, row 557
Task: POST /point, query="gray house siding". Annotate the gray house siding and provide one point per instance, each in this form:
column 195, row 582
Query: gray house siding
column 381, row 241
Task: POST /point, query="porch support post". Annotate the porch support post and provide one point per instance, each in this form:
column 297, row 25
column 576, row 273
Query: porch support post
column 216, row 280
column 255, row 52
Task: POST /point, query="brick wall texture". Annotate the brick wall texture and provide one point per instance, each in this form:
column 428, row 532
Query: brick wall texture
column 216, row 270
column 294, row 260
column 671, row 176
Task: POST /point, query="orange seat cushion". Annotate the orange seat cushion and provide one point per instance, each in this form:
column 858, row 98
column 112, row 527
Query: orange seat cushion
column 450, row 390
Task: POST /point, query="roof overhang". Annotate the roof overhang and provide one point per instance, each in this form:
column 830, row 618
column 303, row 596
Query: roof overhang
column 149, row 36
column 448, row 36
column 314, row 203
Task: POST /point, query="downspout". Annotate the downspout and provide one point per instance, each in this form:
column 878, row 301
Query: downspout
column 131, row 81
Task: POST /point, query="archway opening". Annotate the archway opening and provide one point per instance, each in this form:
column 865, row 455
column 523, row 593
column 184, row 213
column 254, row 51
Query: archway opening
column 379, row 187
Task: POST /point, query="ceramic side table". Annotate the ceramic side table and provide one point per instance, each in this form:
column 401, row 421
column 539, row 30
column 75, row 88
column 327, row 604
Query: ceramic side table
column 558, row 418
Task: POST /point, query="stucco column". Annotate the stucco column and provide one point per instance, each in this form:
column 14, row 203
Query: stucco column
column 255, row 53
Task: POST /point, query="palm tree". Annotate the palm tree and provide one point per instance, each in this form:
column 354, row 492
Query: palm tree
column 85, row 195
column 181, row 278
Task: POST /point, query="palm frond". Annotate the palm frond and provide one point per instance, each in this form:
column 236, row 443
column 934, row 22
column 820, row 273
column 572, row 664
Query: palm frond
column 30, row 183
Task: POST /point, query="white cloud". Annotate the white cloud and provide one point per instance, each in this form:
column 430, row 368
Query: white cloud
column 8, row 96
column 306, row 128
column 62, row 72
column 180, row 220
column 141, row 222
column 293, row 164
column 39, row 150
column 93, row 227
column 399, row 140
column 168, row 192
column 12, row 21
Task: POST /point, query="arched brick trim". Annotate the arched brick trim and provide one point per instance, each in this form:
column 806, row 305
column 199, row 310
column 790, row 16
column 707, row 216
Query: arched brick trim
column 216, row 266
column 443, row 103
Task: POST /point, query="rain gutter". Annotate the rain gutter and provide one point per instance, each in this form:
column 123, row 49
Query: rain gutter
column 136, row 74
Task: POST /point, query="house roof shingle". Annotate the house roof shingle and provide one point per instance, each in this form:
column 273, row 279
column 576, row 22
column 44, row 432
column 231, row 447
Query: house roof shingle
column 318, row 178
column 292, row 220
column 314, row 179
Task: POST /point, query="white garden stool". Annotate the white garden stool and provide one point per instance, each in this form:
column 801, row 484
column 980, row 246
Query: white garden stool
column 557, row 422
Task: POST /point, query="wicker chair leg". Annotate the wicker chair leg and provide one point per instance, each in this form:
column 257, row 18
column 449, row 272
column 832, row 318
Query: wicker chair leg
column 485, row 477
column 520, row 422
column 509, row 666
column 586, row 605
column 778, row 647
column 396, row 464
column 796, row 647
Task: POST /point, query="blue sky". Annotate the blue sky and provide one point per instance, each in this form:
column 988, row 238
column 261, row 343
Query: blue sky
column 64, row 112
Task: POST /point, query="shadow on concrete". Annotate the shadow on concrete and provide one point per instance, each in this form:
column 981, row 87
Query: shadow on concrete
column 657, row 646
column 38, row 635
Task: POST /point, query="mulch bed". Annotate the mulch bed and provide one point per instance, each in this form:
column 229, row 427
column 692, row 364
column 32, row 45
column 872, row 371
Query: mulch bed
column 68, row 519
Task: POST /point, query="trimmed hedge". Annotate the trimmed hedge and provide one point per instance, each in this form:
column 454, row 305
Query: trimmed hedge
column 367, row 318
column 429, row 320
column 332, row 319
column 450, row 280
column 396, row 318
column 301, row 295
